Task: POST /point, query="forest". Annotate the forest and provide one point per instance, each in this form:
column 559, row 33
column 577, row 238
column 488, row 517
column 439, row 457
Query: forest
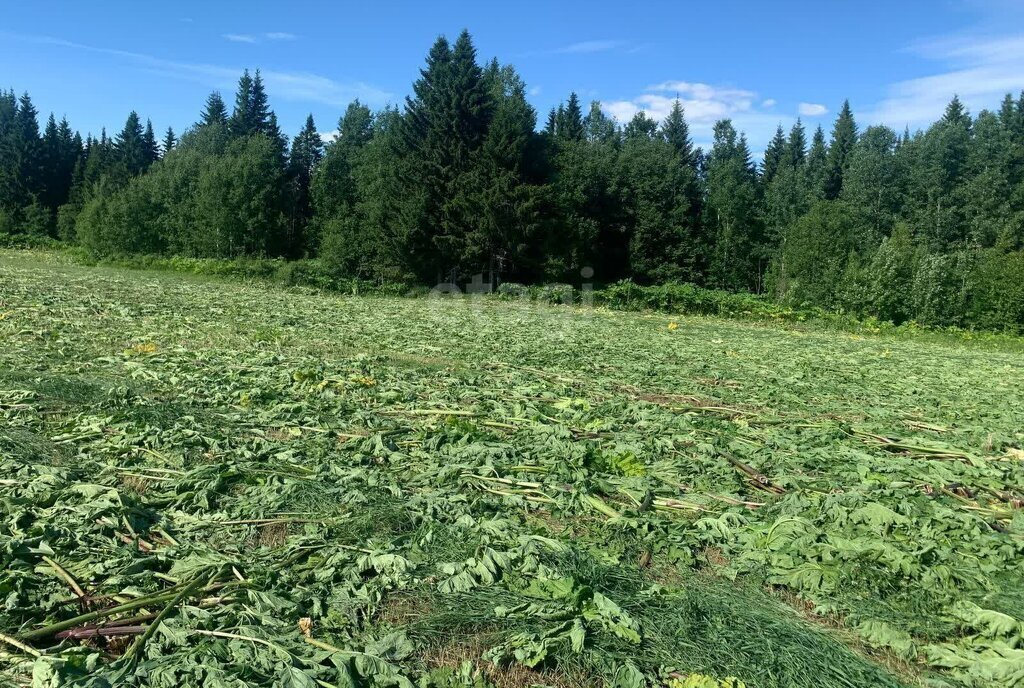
column 466, row 178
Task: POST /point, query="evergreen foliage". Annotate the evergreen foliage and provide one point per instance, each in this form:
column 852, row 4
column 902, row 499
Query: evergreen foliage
column 461, row 181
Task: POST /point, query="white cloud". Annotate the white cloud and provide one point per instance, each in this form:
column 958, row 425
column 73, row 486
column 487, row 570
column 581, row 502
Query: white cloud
column 299, row 86
column 534, row 91
column 980, row 69
column 622, row 110
column 590, row 47
column 328, row 136
column 811, row 109
column 239, row 38
column 280, row 36
column 702, row 102
column 704, row 105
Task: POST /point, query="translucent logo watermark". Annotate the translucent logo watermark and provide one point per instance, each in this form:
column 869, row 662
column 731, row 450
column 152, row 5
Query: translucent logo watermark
column 479, row 297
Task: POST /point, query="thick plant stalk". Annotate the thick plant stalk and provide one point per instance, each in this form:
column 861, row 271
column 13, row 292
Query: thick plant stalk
column 47, row 631
column 189, row 590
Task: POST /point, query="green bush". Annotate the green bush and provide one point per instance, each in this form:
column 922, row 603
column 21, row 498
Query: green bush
column 512, row 290
column 686, row 298
column 938, row 291
column 67, row 218
column 996, row 292
column 556, row 293
column 37, row 220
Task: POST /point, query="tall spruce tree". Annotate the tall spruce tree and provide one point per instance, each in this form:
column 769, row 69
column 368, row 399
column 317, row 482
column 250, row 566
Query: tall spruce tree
column 130, row 147
column 214, row 110
column 169, row 142
column 551, row 124
column 8, row 155
column 817, row 166
column 252, row 113
column 445, row 122
column 306, row 152
column 796, row 145
column 569, row 124
column 676, row 132
column 263, row 120
column 27, row 146
column 504, row 240
column 60, row 153
column 844, row 136
column 773, row 155
column 149, row 144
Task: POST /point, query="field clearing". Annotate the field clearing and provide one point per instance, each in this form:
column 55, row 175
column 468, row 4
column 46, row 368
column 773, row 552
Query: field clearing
column 259, row 487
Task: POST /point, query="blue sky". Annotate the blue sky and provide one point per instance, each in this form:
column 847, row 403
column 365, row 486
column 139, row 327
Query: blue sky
column 759, row 63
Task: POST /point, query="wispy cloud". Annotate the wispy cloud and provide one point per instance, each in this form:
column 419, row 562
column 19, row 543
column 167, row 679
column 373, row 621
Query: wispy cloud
column 978, row 68
column 811, row 109
column 535, row 91
column 298, row 86
column 590, row 47
column 258, row 37
column 587, row 48
column 768, row 103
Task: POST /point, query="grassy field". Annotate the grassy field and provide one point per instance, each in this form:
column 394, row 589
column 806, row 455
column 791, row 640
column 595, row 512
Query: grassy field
column 206, row 483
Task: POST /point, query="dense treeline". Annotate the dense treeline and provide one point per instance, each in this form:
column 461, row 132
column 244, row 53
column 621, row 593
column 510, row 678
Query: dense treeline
column 461, row 180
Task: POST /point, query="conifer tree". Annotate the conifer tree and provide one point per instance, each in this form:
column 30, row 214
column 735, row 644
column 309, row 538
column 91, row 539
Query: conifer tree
column 100, row 159
column 817, row 166
column 8, row 171
column 130, row 146
column 278, row 140
column 551, row 125
column 506, row 192
column 306, row 152
column 569, row 124
column 956, row 114
column 676, row 132
column 260, row 116
column 250, row 115
column 60, row 151
column 445, row 122
column 150, row 147
column 169, row 142
column 52, row 161
column 214, row 111
column 773, row 154
column 796, row 145
column 27, row 145
column 844, row 136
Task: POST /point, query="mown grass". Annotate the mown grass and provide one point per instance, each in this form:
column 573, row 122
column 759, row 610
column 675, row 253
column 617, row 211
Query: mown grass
column 479, row 492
